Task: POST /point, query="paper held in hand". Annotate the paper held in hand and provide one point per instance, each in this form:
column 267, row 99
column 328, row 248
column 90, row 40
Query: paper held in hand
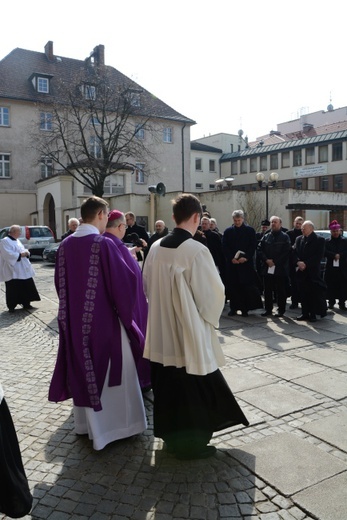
column 239, row 254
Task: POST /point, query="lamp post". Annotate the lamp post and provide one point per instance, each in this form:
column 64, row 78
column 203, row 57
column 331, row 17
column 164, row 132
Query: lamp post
column 267, row 183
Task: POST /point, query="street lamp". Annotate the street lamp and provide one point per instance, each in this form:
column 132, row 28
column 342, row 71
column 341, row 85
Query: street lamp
column 267, row 183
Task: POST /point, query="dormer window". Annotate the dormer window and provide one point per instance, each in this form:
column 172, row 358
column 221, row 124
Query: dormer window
column 41, row 82
column 89, row 92
column 43, row 85
column 135, row 100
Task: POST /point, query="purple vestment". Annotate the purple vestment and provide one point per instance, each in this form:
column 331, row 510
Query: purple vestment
column 140, row 308
column 96, row 290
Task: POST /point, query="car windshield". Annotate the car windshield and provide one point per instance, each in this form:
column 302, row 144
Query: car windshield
column 42, row 232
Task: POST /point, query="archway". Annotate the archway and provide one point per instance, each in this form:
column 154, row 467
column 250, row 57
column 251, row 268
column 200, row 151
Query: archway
column 49, row 213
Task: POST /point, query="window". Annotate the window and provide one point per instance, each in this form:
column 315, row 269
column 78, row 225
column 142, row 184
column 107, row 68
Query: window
column 298, row 184
column 167, row 135
column 139, row 173
column 337, row 152
column 135, row 99
column 212, row 187
column 4, row 116
column 46, row 167
column 285, row 160
column 198, row 165
column 139, row 132
column 323, row 153
column 4, row 165
column 324, row 183
column 297, row 158
column 243, row 166
column 310, row 155
column 253, row 164
column 42, row 85
column 95, row 147
column 212, row 165
column 45, row 121
column 199, row 186
column 263, row 163
column 287, row 183
column 274, row 161
column 114, row 184
column 338, row 183
column 94, row 121
column 234, row 168
column 89, row 92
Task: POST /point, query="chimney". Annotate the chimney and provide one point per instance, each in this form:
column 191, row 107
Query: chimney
column 49, row 51
column 99, row 54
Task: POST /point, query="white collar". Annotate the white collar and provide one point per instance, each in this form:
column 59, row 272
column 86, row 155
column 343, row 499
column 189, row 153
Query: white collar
column 85, row 229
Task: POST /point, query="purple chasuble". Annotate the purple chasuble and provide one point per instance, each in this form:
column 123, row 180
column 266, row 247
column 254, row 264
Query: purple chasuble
column 140, row 308
column 96, row 289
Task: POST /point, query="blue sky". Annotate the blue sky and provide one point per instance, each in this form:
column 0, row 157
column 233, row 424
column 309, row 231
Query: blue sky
column 226, row 64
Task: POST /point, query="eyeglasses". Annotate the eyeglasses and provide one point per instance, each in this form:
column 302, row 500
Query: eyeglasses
column 122, row 224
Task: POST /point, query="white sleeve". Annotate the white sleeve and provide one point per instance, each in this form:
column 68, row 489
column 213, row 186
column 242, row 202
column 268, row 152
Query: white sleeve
column 207, row 287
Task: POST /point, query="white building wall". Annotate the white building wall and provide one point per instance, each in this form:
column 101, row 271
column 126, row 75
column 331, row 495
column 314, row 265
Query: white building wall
column 316, row 119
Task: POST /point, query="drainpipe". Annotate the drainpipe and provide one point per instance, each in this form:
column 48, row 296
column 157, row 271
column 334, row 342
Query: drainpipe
column 182, row 133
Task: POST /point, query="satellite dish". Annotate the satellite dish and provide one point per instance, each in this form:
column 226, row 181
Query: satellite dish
column 240, row 132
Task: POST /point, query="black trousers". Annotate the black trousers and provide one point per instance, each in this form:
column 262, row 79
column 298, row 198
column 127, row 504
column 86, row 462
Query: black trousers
column 275, row 285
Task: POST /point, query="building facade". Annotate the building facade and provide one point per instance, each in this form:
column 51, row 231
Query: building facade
column 28, row 89
column 315, row 164
column 206, row 153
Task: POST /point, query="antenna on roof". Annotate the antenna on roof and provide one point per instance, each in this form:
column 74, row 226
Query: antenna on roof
column 330, row 107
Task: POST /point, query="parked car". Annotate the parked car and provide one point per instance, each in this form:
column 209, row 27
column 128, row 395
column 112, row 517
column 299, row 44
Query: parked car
column 49, row 254
column 34, row 238
column 325, row 233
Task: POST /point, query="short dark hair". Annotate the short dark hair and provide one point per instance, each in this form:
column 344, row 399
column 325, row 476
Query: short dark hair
column 90, row 208
column 184, row 206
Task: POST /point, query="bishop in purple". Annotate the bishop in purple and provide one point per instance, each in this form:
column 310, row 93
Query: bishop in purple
column 100, row 343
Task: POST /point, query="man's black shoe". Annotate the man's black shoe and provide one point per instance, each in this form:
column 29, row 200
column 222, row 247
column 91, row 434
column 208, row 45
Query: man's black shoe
column 245, row 314
column 231, row 313
column 302, row 317
column 312, row 318
column 279, row 314
column 266, row 313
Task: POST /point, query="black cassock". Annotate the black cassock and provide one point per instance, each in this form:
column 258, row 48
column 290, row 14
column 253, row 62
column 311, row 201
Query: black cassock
column 15, row 497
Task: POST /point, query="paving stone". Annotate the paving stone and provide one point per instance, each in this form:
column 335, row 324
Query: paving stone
column 328, row 356
column 326, row 500
column 240, row 379
column 332, row 429
column 333, row 384
column 291, row 462
column 278, row 399
column 242, row 349
column 288, row 368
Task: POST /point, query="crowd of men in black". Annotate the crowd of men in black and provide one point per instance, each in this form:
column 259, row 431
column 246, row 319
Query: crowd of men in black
column 278, row 263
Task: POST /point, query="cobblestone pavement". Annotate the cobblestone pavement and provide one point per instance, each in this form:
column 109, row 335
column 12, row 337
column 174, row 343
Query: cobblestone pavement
column 291, row 463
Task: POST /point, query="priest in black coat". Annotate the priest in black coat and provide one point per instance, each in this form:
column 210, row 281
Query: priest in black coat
column 309, row 252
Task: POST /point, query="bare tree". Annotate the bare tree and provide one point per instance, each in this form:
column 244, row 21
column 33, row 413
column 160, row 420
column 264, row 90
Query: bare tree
column 96, row 127
column 252, row 204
